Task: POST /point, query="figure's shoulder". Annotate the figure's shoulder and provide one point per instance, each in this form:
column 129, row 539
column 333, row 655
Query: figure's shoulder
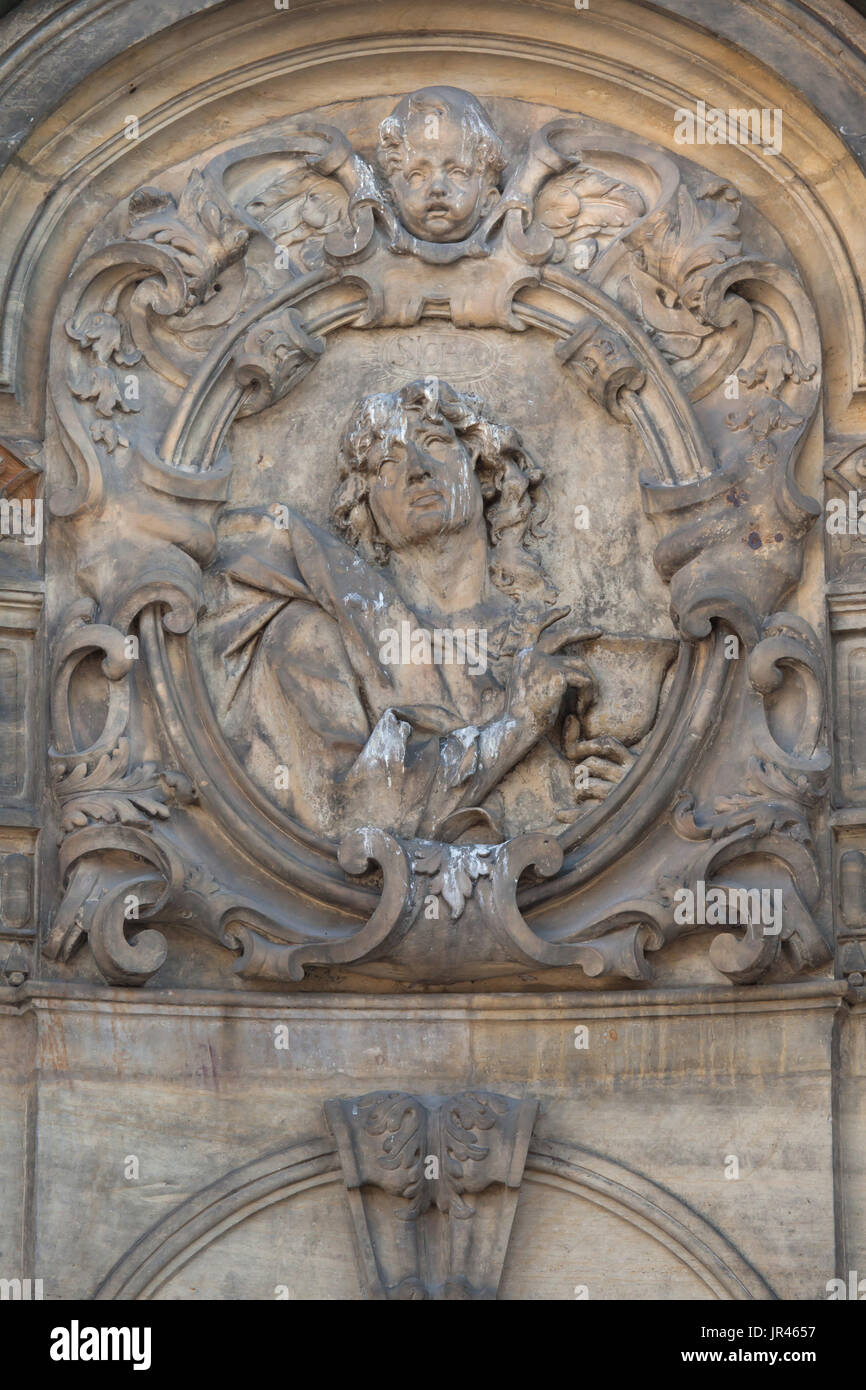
column 281, row 540
column 307, row 639
column 256, row 549
column 262, row 531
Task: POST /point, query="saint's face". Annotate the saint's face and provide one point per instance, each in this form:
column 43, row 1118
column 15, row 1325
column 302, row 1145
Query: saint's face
column 440, row 189
column 423, row 484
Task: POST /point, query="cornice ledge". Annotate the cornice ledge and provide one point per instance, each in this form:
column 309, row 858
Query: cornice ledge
column 706, row 999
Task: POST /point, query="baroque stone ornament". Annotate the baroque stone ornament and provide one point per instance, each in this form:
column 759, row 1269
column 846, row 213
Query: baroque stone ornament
column 351, row 710
column 454, row 1165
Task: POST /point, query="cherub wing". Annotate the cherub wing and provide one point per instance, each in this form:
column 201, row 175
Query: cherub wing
column 310, row 190
column 584, row 209
column 298, row 209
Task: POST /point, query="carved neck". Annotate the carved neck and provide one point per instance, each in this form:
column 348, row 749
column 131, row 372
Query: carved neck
column 445, row 574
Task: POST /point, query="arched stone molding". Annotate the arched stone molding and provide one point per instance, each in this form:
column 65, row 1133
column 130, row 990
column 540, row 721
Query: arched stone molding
column 218, row 1209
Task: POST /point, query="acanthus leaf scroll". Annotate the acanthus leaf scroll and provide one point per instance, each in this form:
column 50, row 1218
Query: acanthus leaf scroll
column 447, row 1164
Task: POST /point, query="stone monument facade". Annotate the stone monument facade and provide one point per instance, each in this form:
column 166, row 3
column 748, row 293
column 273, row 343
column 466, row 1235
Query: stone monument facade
column 433, row 836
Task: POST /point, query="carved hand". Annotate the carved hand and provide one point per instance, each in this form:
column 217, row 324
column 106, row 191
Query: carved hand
column 605, row 759
column 542, row 672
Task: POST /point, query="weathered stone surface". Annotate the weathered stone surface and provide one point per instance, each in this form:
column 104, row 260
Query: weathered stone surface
column 193, row 1085
column 431, row 618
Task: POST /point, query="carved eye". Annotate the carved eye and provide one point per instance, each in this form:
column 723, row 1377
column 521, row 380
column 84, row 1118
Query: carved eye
column 386, row 471
column 437, row 444
column 414, row 177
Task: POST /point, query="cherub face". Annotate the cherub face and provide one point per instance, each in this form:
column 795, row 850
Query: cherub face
column 442, row 188
column 423, row 484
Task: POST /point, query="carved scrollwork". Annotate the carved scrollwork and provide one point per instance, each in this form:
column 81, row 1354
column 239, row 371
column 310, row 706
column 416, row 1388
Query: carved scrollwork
column 275, row 355
column 677, row 250
column 801, row 771
column 605, row 363
column 203, row 231
column 116, row 878
column 170, row 263
column 107, row 810
column 752, row 508
column 767, row 820
column 738, row 831
column 80, row 637
column 264, row 959
column 222, row 294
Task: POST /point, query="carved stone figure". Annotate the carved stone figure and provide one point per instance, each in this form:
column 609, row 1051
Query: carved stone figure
column 442, row 159
column 413, row 669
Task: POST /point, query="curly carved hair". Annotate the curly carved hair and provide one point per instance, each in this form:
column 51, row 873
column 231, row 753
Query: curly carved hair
column 459, row 106
column 515, row 503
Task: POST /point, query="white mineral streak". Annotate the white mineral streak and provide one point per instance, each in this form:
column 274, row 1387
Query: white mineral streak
column 457, row 765
column 492, row 738
column 386, row 746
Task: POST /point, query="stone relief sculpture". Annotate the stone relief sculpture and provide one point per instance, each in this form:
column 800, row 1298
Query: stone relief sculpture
column 277, row 757
column 370, row 714
column 444, row 1238
column 442, row 159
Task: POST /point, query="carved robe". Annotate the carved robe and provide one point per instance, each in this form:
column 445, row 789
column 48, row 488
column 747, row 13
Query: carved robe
column 417, row 749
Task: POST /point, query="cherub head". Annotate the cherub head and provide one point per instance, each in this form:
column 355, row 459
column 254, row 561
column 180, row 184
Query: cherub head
column 443, row 160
